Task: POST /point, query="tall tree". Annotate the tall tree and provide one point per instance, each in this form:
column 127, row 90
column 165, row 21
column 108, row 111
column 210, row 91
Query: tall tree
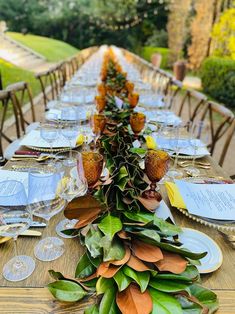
column 207, row 13
column 176, row 27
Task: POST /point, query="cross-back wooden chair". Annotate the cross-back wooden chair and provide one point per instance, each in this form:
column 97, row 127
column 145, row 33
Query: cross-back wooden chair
column 222, row 127
column 5, row 107
column 47, row 84
column 20, row 93
column 186, row 103
column 52, row 82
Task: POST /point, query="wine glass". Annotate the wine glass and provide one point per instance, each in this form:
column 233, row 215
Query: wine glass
column 137, row 122
column 199, row 138
column 69, row 114
column 49, row 132
column 93, row 166
column 15, row 219
column 45, row 202
column 156, row 166
column 69, row 130
column 73, row 184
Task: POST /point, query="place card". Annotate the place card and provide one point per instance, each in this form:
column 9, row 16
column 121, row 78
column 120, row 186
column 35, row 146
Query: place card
column 214, row 201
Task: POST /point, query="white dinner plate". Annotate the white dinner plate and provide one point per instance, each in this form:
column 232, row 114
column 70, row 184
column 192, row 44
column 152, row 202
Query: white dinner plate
column 199, row 242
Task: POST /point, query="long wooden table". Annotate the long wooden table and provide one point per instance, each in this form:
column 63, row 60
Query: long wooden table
column 31, row 296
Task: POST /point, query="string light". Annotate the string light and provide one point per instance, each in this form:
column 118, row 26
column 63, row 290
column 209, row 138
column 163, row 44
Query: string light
column 128, row 21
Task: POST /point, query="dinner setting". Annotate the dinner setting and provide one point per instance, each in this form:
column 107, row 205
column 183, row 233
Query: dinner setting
column 113, row 194
column 117, row 172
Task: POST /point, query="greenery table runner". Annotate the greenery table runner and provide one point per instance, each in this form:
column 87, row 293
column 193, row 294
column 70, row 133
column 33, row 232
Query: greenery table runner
column 133, row 260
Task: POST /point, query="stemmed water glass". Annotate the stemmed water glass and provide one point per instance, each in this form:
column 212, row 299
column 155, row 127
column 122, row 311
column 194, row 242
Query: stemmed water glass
column 137, row 122
column 199, row 138
column 49, row 132
column 15, row 219
column 156, row 166
column 45, row 203
column 73, row 184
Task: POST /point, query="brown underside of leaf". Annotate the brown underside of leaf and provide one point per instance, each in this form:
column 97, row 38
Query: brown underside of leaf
column 89, row 277
column 83, row 208
column 123, row 235
column 149, row 204
column 205, row 309
column 146, row 252
column 132, row 301
column 136, row 264
column 125, row 258
column 83, row 223
column 106, row 270
column 172, row 262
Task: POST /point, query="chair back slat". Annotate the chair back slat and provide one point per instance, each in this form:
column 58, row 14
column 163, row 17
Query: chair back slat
column 5, row 106
column 21, row 94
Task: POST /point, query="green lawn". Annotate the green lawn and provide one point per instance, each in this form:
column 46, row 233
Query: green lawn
column 12, row 74
column 53, row 50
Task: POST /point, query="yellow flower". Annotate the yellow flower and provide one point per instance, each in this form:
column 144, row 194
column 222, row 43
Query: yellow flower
column 150, row 142
column 62, row 185
column 80, row 140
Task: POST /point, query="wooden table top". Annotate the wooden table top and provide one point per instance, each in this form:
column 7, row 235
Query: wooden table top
column 30, row 295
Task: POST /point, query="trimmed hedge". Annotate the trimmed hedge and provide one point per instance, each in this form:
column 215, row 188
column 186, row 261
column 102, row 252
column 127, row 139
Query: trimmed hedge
column 148, row 51
column 218, row 79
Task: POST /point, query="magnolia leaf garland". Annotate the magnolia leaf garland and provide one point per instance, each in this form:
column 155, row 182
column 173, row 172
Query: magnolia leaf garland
column 132, row 258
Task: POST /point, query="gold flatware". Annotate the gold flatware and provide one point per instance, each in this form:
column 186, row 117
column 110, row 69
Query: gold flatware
column 230, row 238
column 202, row 163
column 31, row 233
column 39, row 159
column 26, row 233
column 197, row 165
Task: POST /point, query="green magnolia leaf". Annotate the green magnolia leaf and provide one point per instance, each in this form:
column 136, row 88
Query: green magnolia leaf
column 122, row 280
column 110, row 225
column 205, row 296
column 93, row 309
column 115, row 251
column 103, row 284
column 146, row 233
column 122, row 183
column 66, row 291
column 92, row 242
column 139, row 217
column 188, row 306
column 164, row 303
column 167, row 228
column 122, row 173
column 141, row 278
column 84, row 267
column 108, row 303
column 169, row 286
column 190, row 274
column 140, row 151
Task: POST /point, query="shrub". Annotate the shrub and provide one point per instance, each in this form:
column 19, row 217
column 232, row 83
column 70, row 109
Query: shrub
column 147, row 52
column 159, row 38
column 218, row 79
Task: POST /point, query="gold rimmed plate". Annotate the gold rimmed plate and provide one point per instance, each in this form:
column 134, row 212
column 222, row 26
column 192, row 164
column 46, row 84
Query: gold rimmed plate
column 197, row 241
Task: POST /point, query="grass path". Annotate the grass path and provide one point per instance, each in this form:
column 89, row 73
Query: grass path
column 53, row 50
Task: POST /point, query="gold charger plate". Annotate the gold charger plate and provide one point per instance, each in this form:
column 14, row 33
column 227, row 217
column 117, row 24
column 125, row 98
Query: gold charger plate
column 203, row 220
column 54, row 150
